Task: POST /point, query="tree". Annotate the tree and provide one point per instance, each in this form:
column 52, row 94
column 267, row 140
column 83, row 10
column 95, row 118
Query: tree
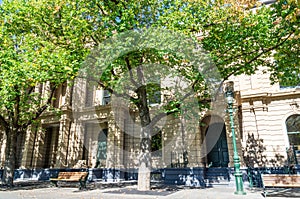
column 135, row 66
column 27, row 61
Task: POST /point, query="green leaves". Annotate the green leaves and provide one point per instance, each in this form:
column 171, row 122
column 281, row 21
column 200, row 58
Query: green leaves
column 240, row 39
column 29, row 58
column 286, row 17
column 47, row 41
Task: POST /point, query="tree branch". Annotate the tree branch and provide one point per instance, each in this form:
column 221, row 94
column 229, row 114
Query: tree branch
column 30, row 90
column 260, row 54
column 130, row 72
column 101, row 9
column 41, row 109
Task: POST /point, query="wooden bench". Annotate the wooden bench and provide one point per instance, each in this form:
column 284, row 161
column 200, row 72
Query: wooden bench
column 80, row 177
column 286, row 181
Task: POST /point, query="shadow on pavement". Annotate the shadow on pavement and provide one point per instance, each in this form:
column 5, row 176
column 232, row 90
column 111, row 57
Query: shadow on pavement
column 26, row 186
column 286, row 193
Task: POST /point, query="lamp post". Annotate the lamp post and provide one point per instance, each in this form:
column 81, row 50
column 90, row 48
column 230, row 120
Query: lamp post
column 229, row 96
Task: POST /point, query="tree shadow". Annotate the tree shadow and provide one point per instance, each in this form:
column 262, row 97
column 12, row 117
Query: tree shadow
column 255, row 158
column 26, row 185
column 253, row 153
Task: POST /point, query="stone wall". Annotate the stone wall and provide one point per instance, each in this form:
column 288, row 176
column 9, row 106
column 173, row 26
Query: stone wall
column 265, row 108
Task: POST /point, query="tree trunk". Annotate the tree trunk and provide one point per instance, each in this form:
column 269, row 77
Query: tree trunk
column 10, row 158
column 145, row 164
column 145, row 145
column 144, row 176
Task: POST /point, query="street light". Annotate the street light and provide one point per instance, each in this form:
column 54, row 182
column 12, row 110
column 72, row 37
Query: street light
column 229, row 96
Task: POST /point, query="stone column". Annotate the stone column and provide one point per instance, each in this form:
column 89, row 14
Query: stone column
column 76, row 140
column 39, row 149
column 30, row 147
column 115, row 142
column 63, row 143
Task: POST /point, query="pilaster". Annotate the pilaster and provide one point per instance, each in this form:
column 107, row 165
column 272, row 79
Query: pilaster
column 63, row 142
column 115, row 141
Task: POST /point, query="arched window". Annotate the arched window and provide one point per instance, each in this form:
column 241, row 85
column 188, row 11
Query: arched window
column 293, row 131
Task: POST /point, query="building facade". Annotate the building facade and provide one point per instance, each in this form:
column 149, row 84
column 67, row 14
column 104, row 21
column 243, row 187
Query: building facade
column 91, row 132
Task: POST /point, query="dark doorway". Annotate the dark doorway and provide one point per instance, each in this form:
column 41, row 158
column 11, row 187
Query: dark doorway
column 50, row 146
column 102, row 148
column 218, row 155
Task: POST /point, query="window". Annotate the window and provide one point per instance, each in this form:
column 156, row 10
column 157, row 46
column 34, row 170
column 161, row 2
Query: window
column 293, row 131
column 154, row 91
column 106, row 97
column 89, row 97
column 56, row 95
column 156, row 141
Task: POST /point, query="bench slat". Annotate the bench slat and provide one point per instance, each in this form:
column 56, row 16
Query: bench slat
column 70, row 176
column 281, row 180
column 283, row 185
column 80, row 177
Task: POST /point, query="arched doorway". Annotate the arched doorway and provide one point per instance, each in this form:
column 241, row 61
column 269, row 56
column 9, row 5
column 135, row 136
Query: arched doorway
column 217, row 155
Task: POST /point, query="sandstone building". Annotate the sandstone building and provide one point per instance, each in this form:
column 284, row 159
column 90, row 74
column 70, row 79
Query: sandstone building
column 267, row 121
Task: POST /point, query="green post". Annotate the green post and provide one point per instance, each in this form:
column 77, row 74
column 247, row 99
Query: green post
column 229, row 94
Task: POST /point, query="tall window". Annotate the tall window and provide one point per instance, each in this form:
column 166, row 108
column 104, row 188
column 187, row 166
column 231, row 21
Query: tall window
column 156, row 141
column 156, row 144
column 106, row 97
column 56, row 96
column 89, row 97
column 293, row 131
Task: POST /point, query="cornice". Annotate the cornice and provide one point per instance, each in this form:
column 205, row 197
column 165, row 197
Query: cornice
column 290, row 94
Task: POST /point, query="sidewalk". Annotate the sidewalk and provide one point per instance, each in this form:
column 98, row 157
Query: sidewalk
column 130, row 192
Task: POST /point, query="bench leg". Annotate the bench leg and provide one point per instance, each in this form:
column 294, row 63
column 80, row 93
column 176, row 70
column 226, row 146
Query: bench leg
column 265, row 193
column 82, row 184
column 54, row 183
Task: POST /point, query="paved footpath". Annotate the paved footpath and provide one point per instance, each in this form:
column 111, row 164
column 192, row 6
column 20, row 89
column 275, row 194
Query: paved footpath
column 131, row 193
